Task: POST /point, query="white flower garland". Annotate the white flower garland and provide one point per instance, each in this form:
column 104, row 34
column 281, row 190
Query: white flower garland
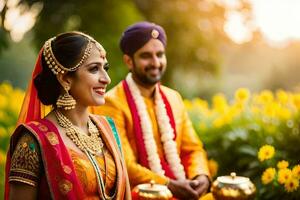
column 166, row 130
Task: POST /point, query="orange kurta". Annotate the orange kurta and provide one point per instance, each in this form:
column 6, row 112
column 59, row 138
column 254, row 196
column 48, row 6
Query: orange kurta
column 188, row 144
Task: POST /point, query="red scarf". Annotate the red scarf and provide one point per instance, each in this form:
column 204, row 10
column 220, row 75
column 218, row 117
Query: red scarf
column 139, row 134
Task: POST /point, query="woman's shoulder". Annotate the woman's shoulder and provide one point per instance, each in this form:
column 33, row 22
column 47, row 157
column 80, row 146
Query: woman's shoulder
column 26, row 160
column 27, row 141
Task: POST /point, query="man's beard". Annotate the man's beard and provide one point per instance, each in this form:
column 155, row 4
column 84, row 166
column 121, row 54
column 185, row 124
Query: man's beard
column 145, row 78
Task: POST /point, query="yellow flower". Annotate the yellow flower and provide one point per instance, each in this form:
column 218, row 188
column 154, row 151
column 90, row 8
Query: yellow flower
column 3, row 131
column 255, row 109
column 282, row 96
column 271, row 109
column 3, row 101
column 188, row 104
column 3, row 116
column 266, row 96
column 296, row 171
column 213, row 167
column 268, row 175
column 242, row 94
column 282, row 164
column 219, row 103
column 16, row 100
column 291, row 185
column 284, row 113
column 5, row 88
column 296, row 98
column 284, row 175
column 222, row 120
column 2, row 157
column 200, row 103
column 266, row 152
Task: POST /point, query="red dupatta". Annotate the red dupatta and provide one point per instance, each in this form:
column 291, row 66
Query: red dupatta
column 138, row 130
column 59, row 169
column 30, row 110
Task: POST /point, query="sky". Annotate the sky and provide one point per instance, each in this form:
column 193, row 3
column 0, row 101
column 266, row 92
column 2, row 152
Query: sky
column 278, row 20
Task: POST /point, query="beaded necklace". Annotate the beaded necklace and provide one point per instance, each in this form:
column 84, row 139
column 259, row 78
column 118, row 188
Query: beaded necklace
column 91, row 145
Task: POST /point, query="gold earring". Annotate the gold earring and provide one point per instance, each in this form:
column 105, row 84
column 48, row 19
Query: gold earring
column 66, row 101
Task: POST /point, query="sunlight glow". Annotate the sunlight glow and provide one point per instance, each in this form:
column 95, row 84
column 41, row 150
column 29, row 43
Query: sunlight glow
column 237, row 30
column 277, row 20
column 1, row 5
column 19, row 19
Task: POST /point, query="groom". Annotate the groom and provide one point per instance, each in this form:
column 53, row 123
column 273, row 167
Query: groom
column 157, row 136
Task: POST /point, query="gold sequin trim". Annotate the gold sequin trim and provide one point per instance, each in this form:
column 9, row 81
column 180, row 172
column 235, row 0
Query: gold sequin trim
column 65, row 186
column 34, row 123
column 67, row 169
column 52, row 137
column 43, row 128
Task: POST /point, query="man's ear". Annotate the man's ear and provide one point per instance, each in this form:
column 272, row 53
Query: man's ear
column 64, row 80
column 128, row 61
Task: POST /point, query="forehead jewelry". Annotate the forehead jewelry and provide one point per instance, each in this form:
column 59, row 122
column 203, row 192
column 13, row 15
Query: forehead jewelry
column 56, row 67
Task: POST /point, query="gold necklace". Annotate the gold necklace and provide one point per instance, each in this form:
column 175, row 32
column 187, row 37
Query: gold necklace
column 87, row 143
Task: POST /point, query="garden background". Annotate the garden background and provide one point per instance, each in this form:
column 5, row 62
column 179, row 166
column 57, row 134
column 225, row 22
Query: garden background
column 234, row 61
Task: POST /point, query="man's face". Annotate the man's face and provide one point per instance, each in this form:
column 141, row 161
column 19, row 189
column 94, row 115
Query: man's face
column 149, row 63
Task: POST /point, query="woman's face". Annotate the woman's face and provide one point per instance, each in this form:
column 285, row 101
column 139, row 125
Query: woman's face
column 90, row 80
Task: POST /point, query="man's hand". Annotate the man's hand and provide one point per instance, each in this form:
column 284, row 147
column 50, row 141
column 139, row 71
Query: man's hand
column 200, row 184
column 183, row 189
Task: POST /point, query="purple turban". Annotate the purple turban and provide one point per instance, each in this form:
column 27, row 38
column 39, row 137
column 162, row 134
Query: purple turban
column 137, row 35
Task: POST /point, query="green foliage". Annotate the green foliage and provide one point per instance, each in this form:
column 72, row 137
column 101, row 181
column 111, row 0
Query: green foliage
column 194, row 29
column 17, row 62
column 3, row 40
column 105, row 20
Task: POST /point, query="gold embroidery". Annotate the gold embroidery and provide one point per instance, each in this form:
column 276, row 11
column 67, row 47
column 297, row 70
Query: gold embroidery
column 51, row 136
column 22, row 180
column 43, row 128
column 24, row 145
column 25, row 171
column 65, row 186
column 67, row 169
column 34, row 123
column 26, row 161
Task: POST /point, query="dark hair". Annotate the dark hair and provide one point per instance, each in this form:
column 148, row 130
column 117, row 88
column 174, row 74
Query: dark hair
column 68, row 48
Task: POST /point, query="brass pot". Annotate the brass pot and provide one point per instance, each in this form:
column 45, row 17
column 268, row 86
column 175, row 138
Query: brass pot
column 152, row 191
column 233, row 188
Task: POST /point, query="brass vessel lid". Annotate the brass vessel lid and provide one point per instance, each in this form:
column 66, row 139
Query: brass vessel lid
column 233, row 188
column 233, row 179
column 153, row 191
